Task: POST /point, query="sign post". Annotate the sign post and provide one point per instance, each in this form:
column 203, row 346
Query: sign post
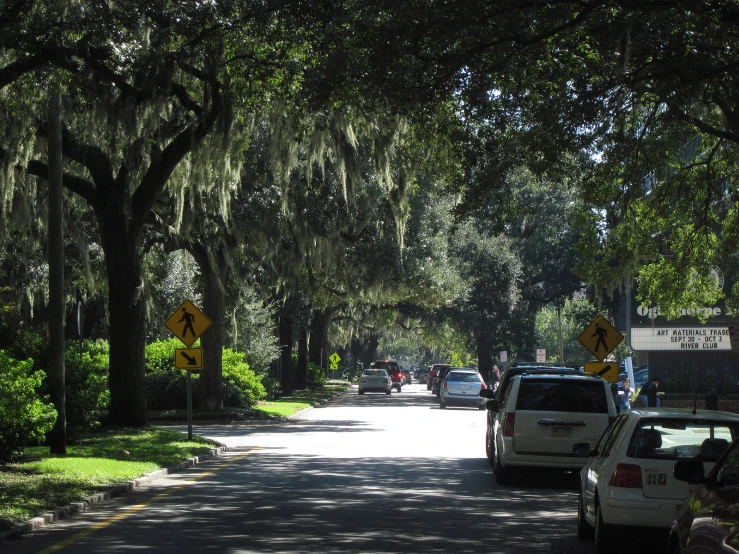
column 600, row 337
column 187, row 323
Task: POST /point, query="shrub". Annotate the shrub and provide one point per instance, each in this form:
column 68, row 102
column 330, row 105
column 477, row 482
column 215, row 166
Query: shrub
column 166, row 387
column 316, row 376
column 271, row 385
column 86, row 384
column 242, row 388
column 25, row 417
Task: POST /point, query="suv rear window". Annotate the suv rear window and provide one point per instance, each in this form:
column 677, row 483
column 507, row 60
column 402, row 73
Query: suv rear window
column 389, row 366
column 464, row 377
column 562, row 396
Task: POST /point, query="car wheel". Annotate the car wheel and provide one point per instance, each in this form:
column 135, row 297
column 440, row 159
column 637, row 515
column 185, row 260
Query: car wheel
column 361, row 392
column 503, row 475
column 389, row 391
column 442, row 406
column 604, row 543
column 584, row 530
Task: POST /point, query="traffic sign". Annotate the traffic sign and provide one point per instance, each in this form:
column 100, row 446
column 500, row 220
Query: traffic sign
column 188, row 323
column 188, row 358
column 607, row 370
column 503, row 355
column 335, row 359
column 541, row 355
column 600, row 337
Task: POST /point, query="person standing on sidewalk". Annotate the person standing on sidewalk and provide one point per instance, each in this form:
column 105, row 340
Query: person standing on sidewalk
column 624, row 395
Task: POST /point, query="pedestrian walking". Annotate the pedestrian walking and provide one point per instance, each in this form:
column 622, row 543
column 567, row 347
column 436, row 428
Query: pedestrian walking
column 624, row 395
column 649, row 393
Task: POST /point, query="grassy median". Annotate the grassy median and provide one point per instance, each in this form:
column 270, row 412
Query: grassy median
column 38, row 481
column 301, row 399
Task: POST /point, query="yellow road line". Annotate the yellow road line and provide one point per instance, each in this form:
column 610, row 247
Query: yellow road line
column 138, row 507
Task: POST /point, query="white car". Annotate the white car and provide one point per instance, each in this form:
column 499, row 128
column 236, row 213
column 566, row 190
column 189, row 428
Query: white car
column 628, row 483
column 541, row 416
column 461, row 387
column 375, row 380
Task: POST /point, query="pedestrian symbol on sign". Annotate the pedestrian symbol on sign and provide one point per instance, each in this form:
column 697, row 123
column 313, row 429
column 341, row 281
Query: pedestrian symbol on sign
column 188, row 318
column 601, row 333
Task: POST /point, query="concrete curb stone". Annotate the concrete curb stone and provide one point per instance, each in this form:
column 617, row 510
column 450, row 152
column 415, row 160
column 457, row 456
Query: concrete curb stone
column 84, row 504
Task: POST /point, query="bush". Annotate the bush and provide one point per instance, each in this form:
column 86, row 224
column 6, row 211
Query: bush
column 166, row 387
column 242, row 388
column 86, row 384
column 25, row 417
column 316, row 376
column 271, row 385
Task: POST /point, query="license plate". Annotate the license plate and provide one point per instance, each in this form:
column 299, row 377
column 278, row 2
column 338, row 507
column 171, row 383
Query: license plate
column 562, row 432
column 464, row 387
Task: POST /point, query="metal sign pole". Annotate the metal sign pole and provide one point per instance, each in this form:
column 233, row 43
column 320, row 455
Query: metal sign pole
column 189, row 405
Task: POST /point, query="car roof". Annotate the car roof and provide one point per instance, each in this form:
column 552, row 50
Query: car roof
column 683, row 413
column 463, row 370
column 557, row 376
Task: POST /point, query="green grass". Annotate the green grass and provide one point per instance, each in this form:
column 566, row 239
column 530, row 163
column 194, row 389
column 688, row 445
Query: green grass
column 40, row 481
column 288, row 405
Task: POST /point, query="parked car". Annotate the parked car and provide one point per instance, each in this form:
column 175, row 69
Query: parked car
column 393, row 370
column 501, row 391
column 542, row 415
column 375, row 380
column 628, row 481
column 432, row 373
column 709, row 519
column 407, row 377
column 439, row 377
column 461, row 387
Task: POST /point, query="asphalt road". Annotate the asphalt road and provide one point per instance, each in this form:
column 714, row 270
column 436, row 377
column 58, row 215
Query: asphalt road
column 372, row 473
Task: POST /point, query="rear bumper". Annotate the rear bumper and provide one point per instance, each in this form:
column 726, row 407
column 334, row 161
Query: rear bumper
column 461, row 400
column 626, row 508
column 511, row 458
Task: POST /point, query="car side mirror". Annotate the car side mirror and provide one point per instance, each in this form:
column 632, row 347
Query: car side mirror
column 492, row 405
column 582, row 449
column 487, row 393
column 690, row 471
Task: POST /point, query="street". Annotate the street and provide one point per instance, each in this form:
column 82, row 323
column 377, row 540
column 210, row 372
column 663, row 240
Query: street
column 371, row 473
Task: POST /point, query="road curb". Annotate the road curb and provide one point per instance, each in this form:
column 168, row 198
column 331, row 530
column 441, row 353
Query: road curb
column 88, row 502
column 319, row 404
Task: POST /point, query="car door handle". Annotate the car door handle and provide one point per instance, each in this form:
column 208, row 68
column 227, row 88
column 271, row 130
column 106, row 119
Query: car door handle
column 570, row 422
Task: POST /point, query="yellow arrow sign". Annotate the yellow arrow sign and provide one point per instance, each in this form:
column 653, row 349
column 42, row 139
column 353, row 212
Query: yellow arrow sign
column 188, row 323
column 600, row 337
column 188, row 358
column 607, row 370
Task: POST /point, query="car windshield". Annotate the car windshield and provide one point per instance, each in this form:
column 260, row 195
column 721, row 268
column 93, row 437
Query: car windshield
column 374, row 372
column 464, row 377
column 673, row 439
column 390, row 366
column 562, row 396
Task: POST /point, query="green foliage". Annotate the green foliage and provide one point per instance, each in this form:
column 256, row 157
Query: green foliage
column 271, row 385
column 316, row 376
column 86, row 380
column 166, row 388
column 242, row 388
column 25, row 417
column 577, row 314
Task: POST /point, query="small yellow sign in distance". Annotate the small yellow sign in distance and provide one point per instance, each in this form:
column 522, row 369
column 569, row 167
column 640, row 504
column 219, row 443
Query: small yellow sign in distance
column 188, row 323
column 188, row 358
column 335, row 359
column 607, row 370
column 334, row 367
column 600, row 337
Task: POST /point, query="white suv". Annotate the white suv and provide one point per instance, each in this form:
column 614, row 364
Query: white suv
column 540, row 417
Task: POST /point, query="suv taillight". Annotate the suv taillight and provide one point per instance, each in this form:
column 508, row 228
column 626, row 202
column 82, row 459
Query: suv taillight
column 445, row 384
column 626, row 476
column 482, row 385
column 508, row 423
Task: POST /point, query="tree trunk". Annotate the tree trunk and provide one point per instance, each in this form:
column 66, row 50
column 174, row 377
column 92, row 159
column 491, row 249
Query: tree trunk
column 211, row 376
column 286, row 353
column 126, row 380
column 484, row 357
column 58, row 435
column 301, row 375
column 370, row 350
column 317, row 347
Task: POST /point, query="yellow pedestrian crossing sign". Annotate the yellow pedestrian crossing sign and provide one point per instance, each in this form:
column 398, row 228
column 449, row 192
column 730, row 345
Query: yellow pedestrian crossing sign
column 334, row 359
column 188, row 323
column 188, row 358
column 600, row 337
column 607, row 370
